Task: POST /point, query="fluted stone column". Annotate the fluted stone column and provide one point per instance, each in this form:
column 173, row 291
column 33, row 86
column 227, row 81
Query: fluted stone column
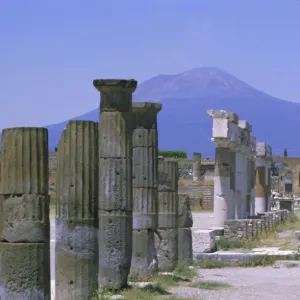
column 167, row 242
column 263, row 168
column 115, row 181
column 24, row 215
column 76, row 247
column 145, row 202
column 185, row 222
column 197, row 166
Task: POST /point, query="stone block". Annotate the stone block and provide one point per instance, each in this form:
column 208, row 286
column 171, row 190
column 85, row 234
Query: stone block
column 144, row 261
column 145, row 208
column 166, row 244
column 24, row 271
column 115, row 184
column 263, row 150
column 167, row 209
column 115, row 246
column 167, row 176
column 204, row 241
column 24, row 219
column 222, row 114
column 185, row 218
column 185, row 245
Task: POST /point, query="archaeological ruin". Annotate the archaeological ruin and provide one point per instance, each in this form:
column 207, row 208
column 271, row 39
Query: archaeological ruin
column 120, row 211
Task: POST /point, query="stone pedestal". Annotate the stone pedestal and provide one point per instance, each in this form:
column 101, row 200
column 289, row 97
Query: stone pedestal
column 115, row 181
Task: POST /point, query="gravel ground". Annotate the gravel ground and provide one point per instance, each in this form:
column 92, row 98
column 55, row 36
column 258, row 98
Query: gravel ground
column 264, row 283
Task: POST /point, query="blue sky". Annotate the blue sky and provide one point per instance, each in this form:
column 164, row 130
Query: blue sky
column 52, row 50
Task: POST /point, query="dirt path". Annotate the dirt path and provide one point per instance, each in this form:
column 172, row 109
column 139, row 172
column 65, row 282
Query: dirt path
column 264, row 283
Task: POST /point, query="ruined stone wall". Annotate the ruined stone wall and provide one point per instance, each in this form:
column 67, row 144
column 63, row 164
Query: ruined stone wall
column 248, row 228
column 207, row 201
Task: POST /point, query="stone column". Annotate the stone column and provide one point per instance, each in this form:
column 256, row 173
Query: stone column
column 262, row 187
column 115, row 181
column 185, row 222
column 227, row 164
column 167, row 243
column 197, row 166
column 247, row 151
column 24, row 220
column 145, row 202
column 252, row 175
column 76, row 247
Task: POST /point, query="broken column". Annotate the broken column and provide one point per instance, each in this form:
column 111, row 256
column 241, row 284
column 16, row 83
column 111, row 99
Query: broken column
column 115, row 181
column 196, row 166
column 76, row 247
column 263, row 168
column 24, row 220
column 144, row 181
column 226, row 135
column 185, row 222
column 167, row 240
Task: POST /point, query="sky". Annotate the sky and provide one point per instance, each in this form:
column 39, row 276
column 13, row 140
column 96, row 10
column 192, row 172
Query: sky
column 50, row 51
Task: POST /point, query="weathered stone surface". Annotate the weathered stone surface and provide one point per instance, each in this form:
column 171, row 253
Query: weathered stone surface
column 115, row 181
column 145, row 208
column 76, row 252
column 115, row 184
column 24, row 161
column 204, row 241
column 222, row 114
column 167, row 209
column 166, row 244
column 185, row 217
column 185, row 245
column 167, row 176
column 115, row 248
column 76, row 246
column 24, row 218
column 144, row 258
column 115, row 134
column 144, row 170
column 197, row 166
column 24, row 271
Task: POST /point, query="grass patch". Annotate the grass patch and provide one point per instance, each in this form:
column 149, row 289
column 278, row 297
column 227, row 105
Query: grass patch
column 182, row 275
column 261, row 261
column 210, row 285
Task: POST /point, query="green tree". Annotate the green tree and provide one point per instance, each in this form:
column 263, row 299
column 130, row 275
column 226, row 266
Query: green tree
column 285, row 154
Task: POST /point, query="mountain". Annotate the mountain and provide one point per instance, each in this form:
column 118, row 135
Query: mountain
column 183, row 121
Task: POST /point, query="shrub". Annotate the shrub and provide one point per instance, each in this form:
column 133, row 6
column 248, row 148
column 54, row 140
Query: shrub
column 172, row 154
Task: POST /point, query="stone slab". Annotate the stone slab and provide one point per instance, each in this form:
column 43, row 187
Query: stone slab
column 204, row 241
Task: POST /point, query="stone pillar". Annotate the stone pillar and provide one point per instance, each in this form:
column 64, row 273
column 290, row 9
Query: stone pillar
column 76, row 248
column 167, row 242
column 226, row 165
column 262, row 187
column 185, row 222
column 24, row 221
column 197, row 166
column 145, row 202
column 115, row 181
column 247, row 152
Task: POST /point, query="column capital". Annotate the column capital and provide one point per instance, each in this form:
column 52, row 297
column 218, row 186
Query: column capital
column 113, row 85
column 146, row 107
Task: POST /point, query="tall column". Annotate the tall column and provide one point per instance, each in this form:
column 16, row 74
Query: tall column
column 263, row 168
column 227, row 163
column 115, row 181
column 145, row 201
column 167, row 243
column 196, row 166
column 252, row 174
column 76, row 248
column 24, row 220
column 247, row 151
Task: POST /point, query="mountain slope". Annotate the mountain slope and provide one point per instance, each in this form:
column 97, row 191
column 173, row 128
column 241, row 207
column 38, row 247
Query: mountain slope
column 184, row 124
